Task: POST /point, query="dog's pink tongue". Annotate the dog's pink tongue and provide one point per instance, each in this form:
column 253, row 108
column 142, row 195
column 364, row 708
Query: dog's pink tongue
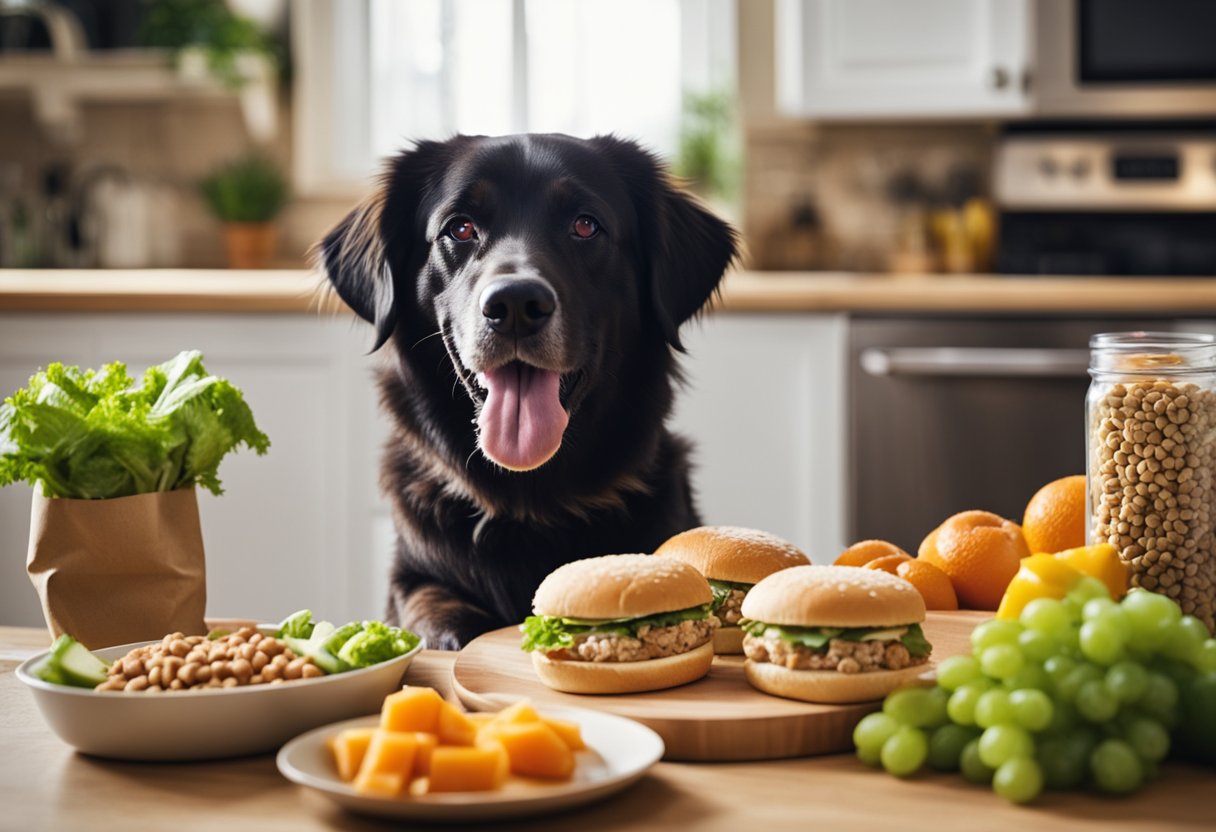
column 523, row 420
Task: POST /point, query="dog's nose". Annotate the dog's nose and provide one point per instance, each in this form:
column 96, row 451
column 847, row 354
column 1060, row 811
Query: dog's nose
column 518, row 307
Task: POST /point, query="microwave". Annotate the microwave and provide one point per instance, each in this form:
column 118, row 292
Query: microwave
column 1125, row 57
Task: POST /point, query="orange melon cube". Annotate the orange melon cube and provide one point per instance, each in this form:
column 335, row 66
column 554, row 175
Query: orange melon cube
column 454, row 727
column 569, row 732
column 536, row 750
column 422, row 757
column 388, row 763
column 379, row 783
column 522, row 711
column 349, row 748
column 480, row 718
column 468, row 768
column 411, row 709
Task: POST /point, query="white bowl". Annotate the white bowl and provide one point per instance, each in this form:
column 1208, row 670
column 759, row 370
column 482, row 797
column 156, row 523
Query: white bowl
column 207, row 723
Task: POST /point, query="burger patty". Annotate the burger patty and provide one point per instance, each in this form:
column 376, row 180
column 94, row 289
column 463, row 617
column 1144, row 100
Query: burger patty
column 651, row 643
column 842, row 655
column 730, row 612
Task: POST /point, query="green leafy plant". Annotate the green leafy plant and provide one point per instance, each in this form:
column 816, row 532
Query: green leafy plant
column 88, row 434
column 548, row 633
column 707, row 148
column 210, row 25
column 251, row 189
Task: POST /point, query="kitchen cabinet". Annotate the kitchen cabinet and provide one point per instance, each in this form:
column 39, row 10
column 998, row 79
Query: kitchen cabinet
column 896, row 58
column 305, row 525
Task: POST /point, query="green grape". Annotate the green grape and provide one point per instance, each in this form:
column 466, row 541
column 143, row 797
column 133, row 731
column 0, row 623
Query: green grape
column 1148, row 609
column 870, row 756
column 1032, row 709
column 935, row 707
column 1086, row 589
column 1063, row 718
column 1000, row 661
column 1058, row 668
column 1185, row 639
column 993, row 708
column 1067, row 687
column 1095, row 702
column 961, row 706
column 1070, row 641
column 1030, row 676
column 957, row 671
column 1045, row 616
column 871, row 733
column 1095, row 607
column 913, row 706
column 996, row 631
column 1035, row 646
column 1018, row 780
column 1101, row 641
column 946, row 746
column 1004, row 742
column 1205, row 659
column 1148, row 738
column 904, row 752
column 1115, row 767
column 1126, row 681
column 973, row 769
column 1064, row 760
column 1160, row 698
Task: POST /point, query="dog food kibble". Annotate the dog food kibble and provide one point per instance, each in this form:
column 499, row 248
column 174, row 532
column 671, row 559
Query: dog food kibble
column 180, row 662
column 1151, row 490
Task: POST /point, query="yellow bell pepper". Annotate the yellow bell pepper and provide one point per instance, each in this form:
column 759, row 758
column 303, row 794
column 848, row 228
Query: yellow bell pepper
column 1040, row 576
column 1101, row 562
column 1052, row 576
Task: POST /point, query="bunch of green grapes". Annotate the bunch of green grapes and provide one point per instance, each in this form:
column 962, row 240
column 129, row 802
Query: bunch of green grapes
column 1077, row 692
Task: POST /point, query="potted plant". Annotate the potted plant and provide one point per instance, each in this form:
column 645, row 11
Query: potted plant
column 246, row 195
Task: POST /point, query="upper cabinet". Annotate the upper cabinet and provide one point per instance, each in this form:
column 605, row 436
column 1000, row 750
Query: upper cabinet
column 901, row 58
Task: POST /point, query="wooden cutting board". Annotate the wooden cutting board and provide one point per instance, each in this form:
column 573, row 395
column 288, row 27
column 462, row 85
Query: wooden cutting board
column 719, row 717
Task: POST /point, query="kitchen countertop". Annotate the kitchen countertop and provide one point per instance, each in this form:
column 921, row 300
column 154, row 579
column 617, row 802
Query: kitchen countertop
column 44, row 785
column 295, row 291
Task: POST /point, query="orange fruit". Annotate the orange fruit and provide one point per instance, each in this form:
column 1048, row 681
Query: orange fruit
column 1055, row 516
column 864, row 551
column 889, row 563
column 980, row 552
column 932, row 583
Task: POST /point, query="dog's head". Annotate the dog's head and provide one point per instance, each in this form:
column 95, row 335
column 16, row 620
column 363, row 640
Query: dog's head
column 539, row 260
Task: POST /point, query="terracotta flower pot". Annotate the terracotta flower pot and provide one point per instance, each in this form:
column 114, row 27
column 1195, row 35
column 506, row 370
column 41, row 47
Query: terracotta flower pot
column 250, row 245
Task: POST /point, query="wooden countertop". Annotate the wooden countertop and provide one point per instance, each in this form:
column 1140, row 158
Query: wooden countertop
column 44, row 785
column 295, row 291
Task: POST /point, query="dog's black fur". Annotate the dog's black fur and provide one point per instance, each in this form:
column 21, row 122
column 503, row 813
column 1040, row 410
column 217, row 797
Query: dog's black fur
column 474, row 539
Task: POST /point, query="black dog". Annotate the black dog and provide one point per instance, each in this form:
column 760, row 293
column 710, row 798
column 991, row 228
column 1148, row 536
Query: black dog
column 532, row 288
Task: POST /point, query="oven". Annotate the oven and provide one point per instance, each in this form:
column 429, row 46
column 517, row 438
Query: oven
column 1125, row 57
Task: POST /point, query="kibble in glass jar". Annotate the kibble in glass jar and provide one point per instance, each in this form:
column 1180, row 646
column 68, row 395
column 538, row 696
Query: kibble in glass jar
column 1151, row 464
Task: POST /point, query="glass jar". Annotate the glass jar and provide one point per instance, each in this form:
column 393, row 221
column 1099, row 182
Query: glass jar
column 1151, row 464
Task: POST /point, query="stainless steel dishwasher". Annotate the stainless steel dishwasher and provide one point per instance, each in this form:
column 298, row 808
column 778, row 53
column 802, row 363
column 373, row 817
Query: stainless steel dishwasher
column 949, row 414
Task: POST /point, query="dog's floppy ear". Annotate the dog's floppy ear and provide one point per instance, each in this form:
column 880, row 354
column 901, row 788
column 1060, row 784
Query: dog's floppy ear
column 688, row 248
column 384, row 231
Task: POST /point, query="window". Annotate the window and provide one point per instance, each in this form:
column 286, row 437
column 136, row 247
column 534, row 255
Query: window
column 375, row 74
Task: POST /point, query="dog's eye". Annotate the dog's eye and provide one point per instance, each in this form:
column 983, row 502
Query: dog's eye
column 585, row 227
column 461, row 229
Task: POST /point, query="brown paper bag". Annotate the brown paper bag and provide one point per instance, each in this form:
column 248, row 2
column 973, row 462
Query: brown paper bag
column 116, row 571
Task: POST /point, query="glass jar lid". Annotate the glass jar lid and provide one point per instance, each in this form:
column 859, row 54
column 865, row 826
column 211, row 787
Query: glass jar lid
column 1152, row 353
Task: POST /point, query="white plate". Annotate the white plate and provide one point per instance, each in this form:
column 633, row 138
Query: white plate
column 206, row 723
column 619, row 752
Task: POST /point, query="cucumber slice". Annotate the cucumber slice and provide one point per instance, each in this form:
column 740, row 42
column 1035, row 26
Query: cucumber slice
column 322, row 658
column 74, row 664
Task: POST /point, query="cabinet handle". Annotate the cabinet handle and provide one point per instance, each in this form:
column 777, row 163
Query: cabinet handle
column 975, row 363
column 998, row 78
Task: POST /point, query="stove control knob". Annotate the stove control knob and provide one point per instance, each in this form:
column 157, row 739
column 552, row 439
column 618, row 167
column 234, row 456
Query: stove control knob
column 1048, row 168
column 1080, row 169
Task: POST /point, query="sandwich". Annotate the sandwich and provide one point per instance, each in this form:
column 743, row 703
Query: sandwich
column 833, row 634
column 621, row 624
column 733, row 559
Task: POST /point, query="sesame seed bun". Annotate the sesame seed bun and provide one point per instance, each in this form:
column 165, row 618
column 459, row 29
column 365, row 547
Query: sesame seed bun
column 834, row 596
column 829, row 687
column 731, row 553
column 624, row 677
column 620, row 586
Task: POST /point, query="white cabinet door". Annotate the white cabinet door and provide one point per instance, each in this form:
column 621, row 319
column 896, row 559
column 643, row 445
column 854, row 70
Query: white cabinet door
column 899, row 58
column 295, row 528
column 765, row 407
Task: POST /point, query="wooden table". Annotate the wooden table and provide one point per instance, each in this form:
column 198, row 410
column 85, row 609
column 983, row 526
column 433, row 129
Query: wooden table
column 44, row 785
